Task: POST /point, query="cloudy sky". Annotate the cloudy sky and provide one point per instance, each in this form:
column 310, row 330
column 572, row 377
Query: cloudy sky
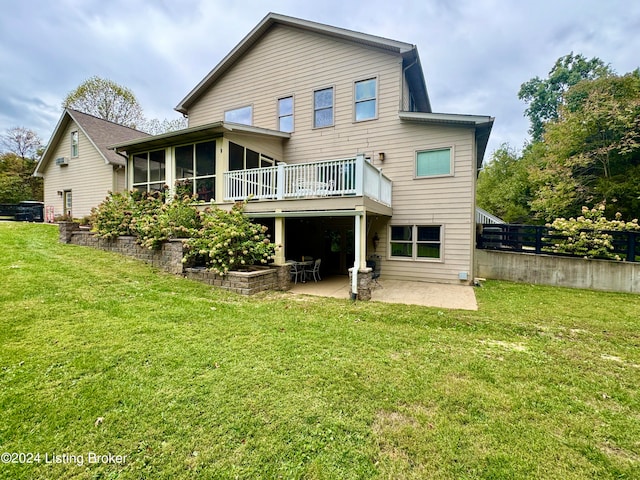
column 475, row 53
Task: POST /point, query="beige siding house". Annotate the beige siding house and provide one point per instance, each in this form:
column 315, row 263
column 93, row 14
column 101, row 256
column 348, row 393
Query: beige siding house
column 78, row 168
column 330, row 134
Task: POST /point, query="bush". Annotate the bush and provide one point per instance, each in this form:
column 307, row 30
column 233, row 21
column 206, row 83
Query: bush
column 178, row 218
column 112, row 218
column 587, row 235
column 229, row 241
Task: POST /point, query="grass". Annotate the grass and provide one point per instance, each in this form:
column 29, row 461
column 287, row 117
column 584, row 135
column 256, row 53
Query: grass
column 101, row 353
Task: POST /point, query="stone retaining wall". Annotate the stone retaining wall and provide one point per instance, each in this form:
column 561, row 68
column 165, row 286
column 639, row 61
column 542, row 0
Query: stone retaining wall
column 169, row 258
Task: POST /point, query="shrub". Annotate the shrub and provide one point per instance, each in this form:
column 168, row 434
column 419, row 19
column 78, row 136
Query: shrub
column 588, row 235
column 178, row 218
column 229, row 241
column 113, row 216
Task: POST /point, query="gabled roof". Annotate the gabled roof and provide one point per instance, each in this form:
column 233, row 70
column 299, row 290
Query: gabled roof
column 101, row 133
column 409, row 53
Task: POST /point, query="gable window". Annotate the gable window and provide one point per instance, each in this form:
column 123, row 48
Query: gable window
column 243, row 115
column 285, row 114
column 74, row 144
column 323, row 107
column 416, row 241
column 196, row 169
column 433, row 163
column 365, row 97
column 149, row 171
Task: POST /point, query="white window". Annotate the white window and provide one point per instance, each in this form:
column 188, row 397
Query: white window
column 285, row 114
column 149, row 170
column 416, row 241
column 323, row 107
column 434, row 163
column 243, row 115
column 74, row 144
column 365, row 99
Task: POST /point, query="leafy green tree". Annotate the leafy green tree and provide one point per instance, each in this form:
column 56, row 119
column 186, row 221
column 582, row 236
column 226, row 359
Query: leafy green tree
column 544, row 96
column 16, row 182
column 106, row 99
column 504, row 187
column 592, row 151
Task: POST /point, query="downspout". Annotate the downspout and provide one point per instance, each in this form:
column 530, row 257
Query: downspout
column 356, row 261
column 126, row 167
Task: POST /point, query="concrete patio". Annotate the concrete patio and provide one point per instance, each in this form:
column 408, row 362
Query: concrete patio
column 395, row 291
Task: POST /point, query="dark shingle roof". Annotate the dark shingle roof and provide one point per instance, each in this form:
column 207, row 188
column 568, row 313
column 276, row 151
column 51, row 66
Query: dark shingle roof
column 103, row 133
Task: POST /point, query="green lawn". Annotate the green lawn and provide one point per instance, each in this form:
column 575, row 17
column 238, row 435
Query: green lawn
column 103, row 354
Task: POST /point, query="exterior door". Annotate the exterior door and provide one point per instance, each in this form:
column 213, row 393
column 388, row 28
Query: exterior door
column 67, row 201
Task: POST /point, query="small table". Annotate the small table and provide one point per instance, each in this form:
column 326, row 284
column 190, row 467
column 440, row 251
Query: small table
column 305, row 268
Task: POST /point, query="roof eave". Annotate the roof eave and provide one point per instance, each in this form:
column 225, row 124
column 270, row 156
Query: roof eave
column 216, row 128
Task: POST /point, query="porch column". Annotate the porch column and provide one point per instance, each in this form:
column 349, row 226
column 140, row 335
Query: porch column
column 279, row 239
column 360, row 240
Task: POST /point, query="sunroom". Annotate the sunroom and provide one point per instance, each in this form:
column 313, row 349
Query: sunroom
column 223, row 163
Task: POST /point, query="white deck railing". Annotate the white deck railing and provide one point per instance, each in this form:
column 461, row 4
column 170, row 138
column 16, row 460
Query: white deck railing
column 330, row 178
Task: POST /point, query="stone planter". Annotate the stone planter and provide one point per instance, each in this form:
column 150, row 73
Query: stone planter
column 169, row 258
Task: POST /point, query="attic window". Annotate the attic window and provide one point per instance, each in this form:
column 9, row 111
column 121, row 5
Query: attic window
column 243, row 115
column 74, row 144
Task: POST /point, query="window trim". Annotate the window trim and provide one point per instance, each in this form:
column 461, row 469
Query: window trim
column 249, row 106
column 333, row 106
column 451, row 173
column 292, row 115
column 414, row 243
column 375, row 99
column 75, row 144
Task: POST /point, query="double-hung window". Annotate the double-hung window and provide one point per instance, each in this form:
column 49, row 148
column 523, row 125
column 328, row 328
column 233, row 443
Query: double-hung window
column 434, row 163
column 285, row 114
column 365, row 98
column 416, row 241
column 323, row 107
column 74, row 144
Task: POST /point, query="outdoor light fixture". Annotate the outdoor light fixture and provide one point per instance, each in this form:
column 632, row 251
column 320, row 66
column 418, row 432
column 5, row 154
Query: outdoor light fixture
column 381, row 156
column 375, row 240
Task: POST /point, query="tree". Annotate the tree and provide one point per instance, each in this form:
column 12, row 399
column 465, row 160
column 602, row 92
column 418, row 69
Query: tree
column 157, row 127
column 592, row 150
column 504, row 188
column 106, row 99
column 21, row 141
column 16, row 182
column 544, row 96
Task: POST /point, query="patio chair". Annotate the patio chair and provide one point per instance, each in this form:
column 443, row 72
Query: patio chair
column 316, row 270
column 374, row 264
column 296, row 271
